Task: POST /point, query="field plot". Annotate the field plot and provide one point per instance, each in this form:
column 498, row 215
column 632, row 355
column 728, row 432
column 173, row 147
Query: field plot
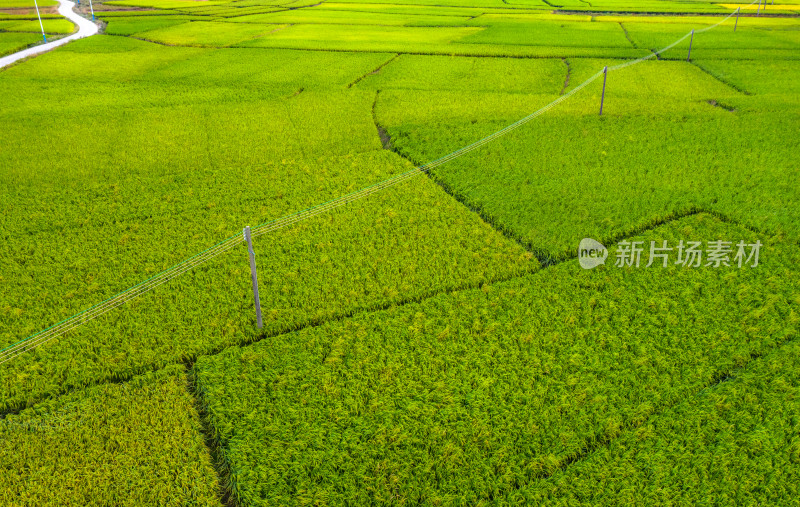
column 348, row 17
column 764, row 85
column 651, row 36
column 54, row 26
column 499, row 88
column 543, row 33
column 325, row 268
column 780, row 7
column 489, row 34
column 207, row 34
column 472, row 396
column 435, row 342
column 448, row 73
column 124, row 25
column 363, row 38
column 499, row 4
column 714, row 445
column 15, row 4
column 166, row 4
column 654, row 6
column 103, row 453
column 603, row 179
column 419, row 10
column 12, row 42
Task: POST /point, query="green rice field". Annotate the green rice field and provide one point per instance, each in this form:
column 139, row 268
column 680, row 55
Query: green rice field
column 432, row 334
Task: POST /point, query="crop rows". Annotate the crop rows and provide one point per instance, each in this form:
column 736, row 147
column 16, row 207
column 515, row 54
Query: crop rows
column 330, row 266
column 734, row 443
column 54, row 26
column 137, row 443
column 436, row 343
column 475, row 395
column 12, row 42
column 643, row 166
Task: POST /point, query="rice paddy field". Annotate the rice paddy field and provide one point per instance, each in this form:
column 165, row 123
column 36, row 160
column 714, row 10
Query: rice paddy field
column 437, row 339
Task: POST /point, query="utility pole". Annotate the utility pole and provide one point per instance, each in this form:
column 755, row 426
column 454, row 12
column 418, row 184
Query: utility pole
column 603, row 96
column 40, row 20
column 249, row 239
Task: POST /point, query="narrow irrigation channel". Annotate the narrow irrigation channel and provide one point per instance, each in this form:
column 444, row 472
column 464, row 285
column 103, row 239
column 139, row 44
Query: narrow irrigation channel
column 86, row 28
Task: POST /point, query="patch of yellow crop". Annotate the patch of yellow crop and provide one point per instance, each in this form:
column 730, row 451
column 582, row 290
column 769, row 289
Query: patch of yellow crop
column 753, row 7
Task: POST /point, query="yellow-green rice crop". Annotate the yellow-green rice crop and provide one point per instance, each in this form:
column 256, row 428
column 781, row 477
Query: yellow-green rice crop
column 137, row 443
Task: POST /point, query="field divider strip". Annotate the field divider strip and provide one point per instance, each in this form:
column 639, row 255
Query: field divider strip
column 219, row 461
column 374, row 71
column 165, row 276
